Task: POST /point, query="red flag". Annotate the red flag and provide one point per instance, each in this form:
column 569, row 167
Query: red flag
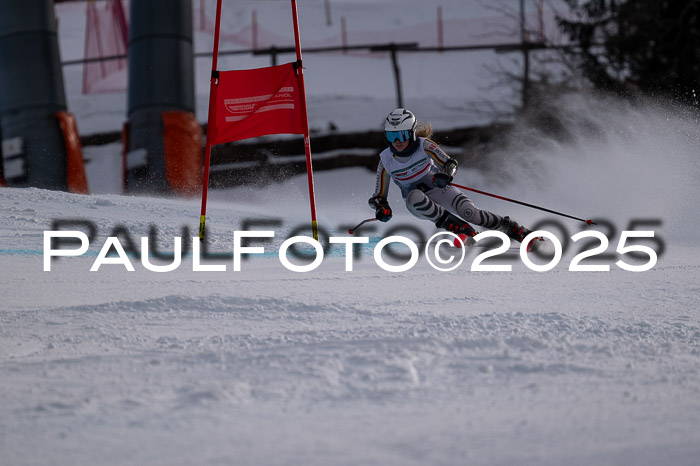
column 252, row 103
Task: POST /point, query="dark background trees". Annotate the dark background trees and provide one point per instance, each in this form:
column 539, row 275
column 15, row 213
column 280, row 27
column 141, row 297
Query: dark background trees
column 628, row 46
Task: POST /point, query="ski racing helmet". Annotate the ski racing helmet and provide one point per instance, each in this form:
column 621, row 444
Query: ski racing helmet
column 401, row 124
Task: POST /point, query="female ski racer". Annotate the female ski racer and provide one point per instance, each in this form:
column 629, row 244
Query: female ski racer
column 423, row 172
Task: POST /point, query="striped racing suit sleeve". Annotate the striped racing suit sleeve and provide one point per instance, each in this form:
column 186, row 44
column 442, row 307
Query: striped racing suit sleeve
column 383, row 178
column 436, row 153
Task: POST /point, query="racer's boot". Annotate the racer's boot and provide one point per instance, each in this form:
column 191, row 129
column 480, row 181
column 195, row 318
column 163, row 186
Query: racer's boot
column 518, row 232
column 456, row 225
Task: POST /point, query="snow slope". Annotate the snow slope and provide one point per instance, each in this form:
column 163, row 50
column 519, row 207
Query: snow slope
column 269, row 366
column 332, row 367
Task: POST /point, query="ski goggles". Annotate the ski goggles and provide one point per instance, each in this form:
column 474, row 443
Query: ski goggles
column 403, row 135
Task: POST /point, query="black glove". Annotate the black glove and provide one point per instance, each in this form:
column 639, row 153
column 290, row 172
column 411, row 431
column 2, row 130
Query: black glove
column 381, row 207
column 383, row 213
column 440, row 180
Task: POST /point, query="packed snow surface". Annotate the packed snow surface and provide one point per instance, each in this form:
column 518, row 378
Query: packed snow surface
column 269, row 366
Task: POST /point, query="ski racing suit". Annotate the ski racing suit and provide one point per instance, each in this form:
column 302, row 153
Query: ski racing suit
column 413, row 174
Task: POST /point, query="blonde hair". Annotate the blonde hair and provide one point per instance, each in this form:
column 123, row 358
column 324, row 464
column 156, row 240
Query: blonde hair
column 424, row 130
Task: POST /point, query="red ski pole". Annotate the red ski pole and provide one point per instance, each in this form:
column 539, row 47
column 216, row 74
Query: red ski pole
column 589, row 222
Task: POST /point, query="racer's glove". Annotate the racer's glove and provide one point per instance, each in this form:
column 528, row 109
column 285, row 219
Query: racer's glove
column 381, row 208
column 440, row 180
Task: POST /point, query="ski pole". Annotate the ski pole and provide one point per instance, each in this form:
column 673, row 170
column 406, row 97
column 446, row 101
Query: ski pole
column 353, row 230
column 589, row 222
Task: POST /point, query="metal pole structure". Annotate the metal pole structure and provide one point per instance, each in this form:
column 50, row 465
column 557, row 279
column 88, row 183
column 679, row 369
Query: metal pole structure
column 441, row 39
column 394, row 48
column 344, row 34
column 329, row 21
column 255, row 29
column 305, row 121
column 210, row 120
column 526, row 55
column 397, row 76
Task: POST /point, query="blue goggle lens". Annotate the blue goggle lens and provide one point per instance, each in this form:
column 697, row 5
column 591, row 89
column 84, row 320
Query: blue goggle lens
column 403, row 135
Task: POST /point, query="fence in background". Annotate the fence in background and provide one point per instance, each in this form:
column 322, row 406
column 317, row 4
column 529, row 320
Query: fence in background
column 392, row 49
column 247, row 161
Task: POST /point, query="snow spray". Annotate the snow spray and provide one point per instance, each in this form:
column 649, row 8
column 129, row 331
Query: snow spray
column 609, row 157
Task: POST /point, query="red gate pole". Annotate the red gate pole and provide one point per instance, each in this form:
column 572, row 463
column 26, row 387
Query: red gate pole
column 211, row 120
column 305, row 121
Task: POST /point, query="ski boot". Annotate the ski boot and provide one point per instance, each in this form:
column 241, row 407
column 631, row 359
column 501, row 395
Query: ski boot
column 518, row 233
column 459, row 227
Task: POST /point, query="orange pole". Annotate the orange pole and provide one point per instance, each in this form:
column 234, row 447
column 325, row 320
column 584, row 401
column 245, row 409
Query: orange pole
column 305, row 121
